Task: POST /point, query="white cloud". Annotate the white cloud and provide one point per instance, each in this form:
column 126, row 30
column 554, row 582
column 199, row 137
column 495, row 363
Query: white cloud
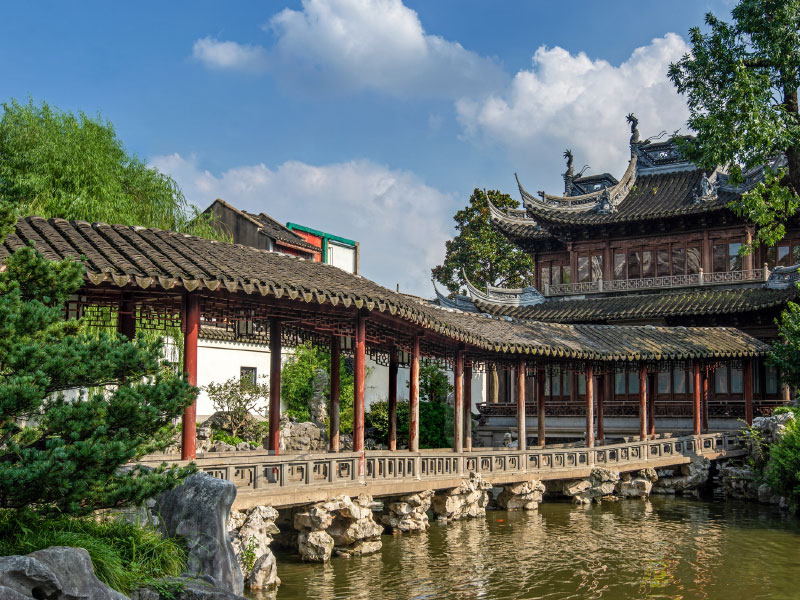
column 217, row 54
column 572, row 101
column 353, row 45
column 400, row 222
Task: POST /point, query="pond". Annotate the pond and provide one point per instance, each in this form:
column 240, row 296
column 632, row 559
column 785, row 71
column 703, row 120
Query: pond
column 659, row 548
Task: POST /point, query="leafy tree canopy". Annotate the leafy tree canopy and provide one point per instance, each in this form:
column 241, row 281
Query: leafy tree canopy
column 58, row 164
column 74, row 407
column 741, row 80
column 481, row 251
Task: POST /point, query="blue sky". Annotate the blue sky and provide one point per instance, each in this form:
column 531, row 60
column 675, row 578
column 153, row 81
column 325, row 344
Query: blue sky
column 371, row 119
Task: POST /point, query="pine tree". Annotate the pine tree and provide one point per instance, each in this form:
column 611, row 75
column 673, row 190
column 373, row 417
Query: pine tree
column 75, row 407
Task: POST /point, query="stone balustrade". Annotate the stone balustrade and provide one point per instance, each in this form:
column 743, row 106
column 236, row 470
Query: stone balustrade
column 292, row 479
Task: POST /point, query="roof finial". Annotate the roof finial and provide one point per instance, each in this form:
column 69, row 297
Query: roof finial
column 569, row 176
column 634, row 127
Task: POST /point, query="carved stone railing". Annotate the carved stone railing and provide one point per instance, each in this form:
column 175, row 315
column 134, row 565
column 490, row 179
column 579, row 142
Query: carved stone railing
column 258, row 472
column 653, row 283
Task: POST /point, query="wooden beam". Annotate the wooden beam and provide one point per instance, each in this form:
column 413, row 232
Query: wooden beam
column 191, row 317
column 393, row 368
column 748, row 391
column 602, row 382
column 335, row 410
column 642, row 402
column 458, row 401
column 696, row 421
column 522, row 431
column 589, row 406
column 651, row 405
column 413, row 399
column 274, row 385
column 126, row 316
column 359, row 376
column 468, row 408
column 540, row 405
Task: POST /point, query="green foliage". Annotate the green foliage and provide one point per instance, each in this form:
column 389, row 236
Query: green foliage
column 433, row 383
column 783, row 470
column 786, row 351
column 481, row 251
column 74, row 407
column 237, row 398
column 435, row 423
column 297, row 383
column 125, row 555
column 58, row 164
column 741, row 80
column 247, row 557
column 223, row 436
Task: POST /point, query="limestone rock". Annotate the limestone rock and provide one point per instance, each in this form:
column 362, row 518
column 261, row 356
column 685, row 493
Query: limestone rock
column 302, row 437
column 740, row 482
column 525, row 495
column 184, row 588
column 638, row 484
column 197, row 511
column 601, row 483
column 407, row 513
column 467, row 500
column 686, row 479
column 342, row 524
column 318, row 405
column 58, row 572
column 252, row 531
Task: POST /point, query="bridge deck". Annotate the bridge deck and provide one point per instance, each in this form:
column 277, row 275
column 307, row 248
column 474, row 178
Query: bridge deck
column 295, row 479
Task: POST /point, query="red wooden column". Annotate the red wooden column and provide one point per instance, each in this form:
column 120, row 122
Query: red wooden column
column 522, row 431
column 651, row 405
column 468, row 408
column 274, row 385
column 601, row 398
column 748, row 391
column 540, row 404
column 589, row 406
column 696, row 398
column 413, row 399
column 458, row 401
column 335, row 389
column 359, row 375
column 393, row 367
column 643, row 402
column 704, row 377
column 191, row 311
column 126, row 317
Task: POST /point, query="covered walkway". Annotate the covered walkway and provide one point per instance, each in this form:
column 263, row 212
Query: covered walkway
column 158, row 280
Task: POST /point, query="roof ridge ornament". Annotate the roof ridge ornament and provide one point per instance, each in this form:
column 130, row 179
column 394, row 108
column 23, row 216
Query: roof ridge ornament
column 708, row 188
column 634, row 122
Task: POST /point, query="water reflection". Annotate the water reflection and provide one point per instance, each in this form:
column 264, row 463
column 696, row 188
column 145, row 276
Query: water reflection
column 657, row 549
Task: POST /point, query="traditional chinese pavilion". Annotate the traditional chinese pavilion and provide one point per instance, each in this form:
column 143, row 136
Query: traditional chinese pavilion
column 659, row 246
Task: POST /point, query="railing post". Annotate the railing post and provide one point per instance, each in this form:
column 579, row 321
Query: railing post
column 766, row 271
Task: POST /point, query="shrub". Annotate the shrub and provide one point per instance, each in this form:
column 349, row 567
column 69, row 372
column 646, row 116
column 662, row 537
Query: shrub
column 435, row 423
column 297, row 383
column 783, row 470
column 125, row 555
column 237, row 398
column 223, row 436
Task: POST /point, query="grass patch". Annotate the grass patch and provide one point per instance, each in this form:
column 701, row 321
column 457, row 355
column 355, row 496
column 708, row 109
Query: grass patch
column 125, row 556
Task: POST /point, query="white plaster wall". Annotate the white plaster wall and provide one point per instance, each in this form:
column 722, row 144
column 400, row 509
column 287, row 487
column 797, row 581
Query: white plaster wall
column 218, row 361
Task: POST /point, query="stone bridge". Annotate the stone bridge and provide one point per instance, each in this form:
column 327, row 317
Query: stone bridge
column 296, row 479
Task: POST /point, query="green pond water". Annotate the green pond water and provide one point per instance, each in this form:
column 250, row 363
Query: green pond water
column 660, row 548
